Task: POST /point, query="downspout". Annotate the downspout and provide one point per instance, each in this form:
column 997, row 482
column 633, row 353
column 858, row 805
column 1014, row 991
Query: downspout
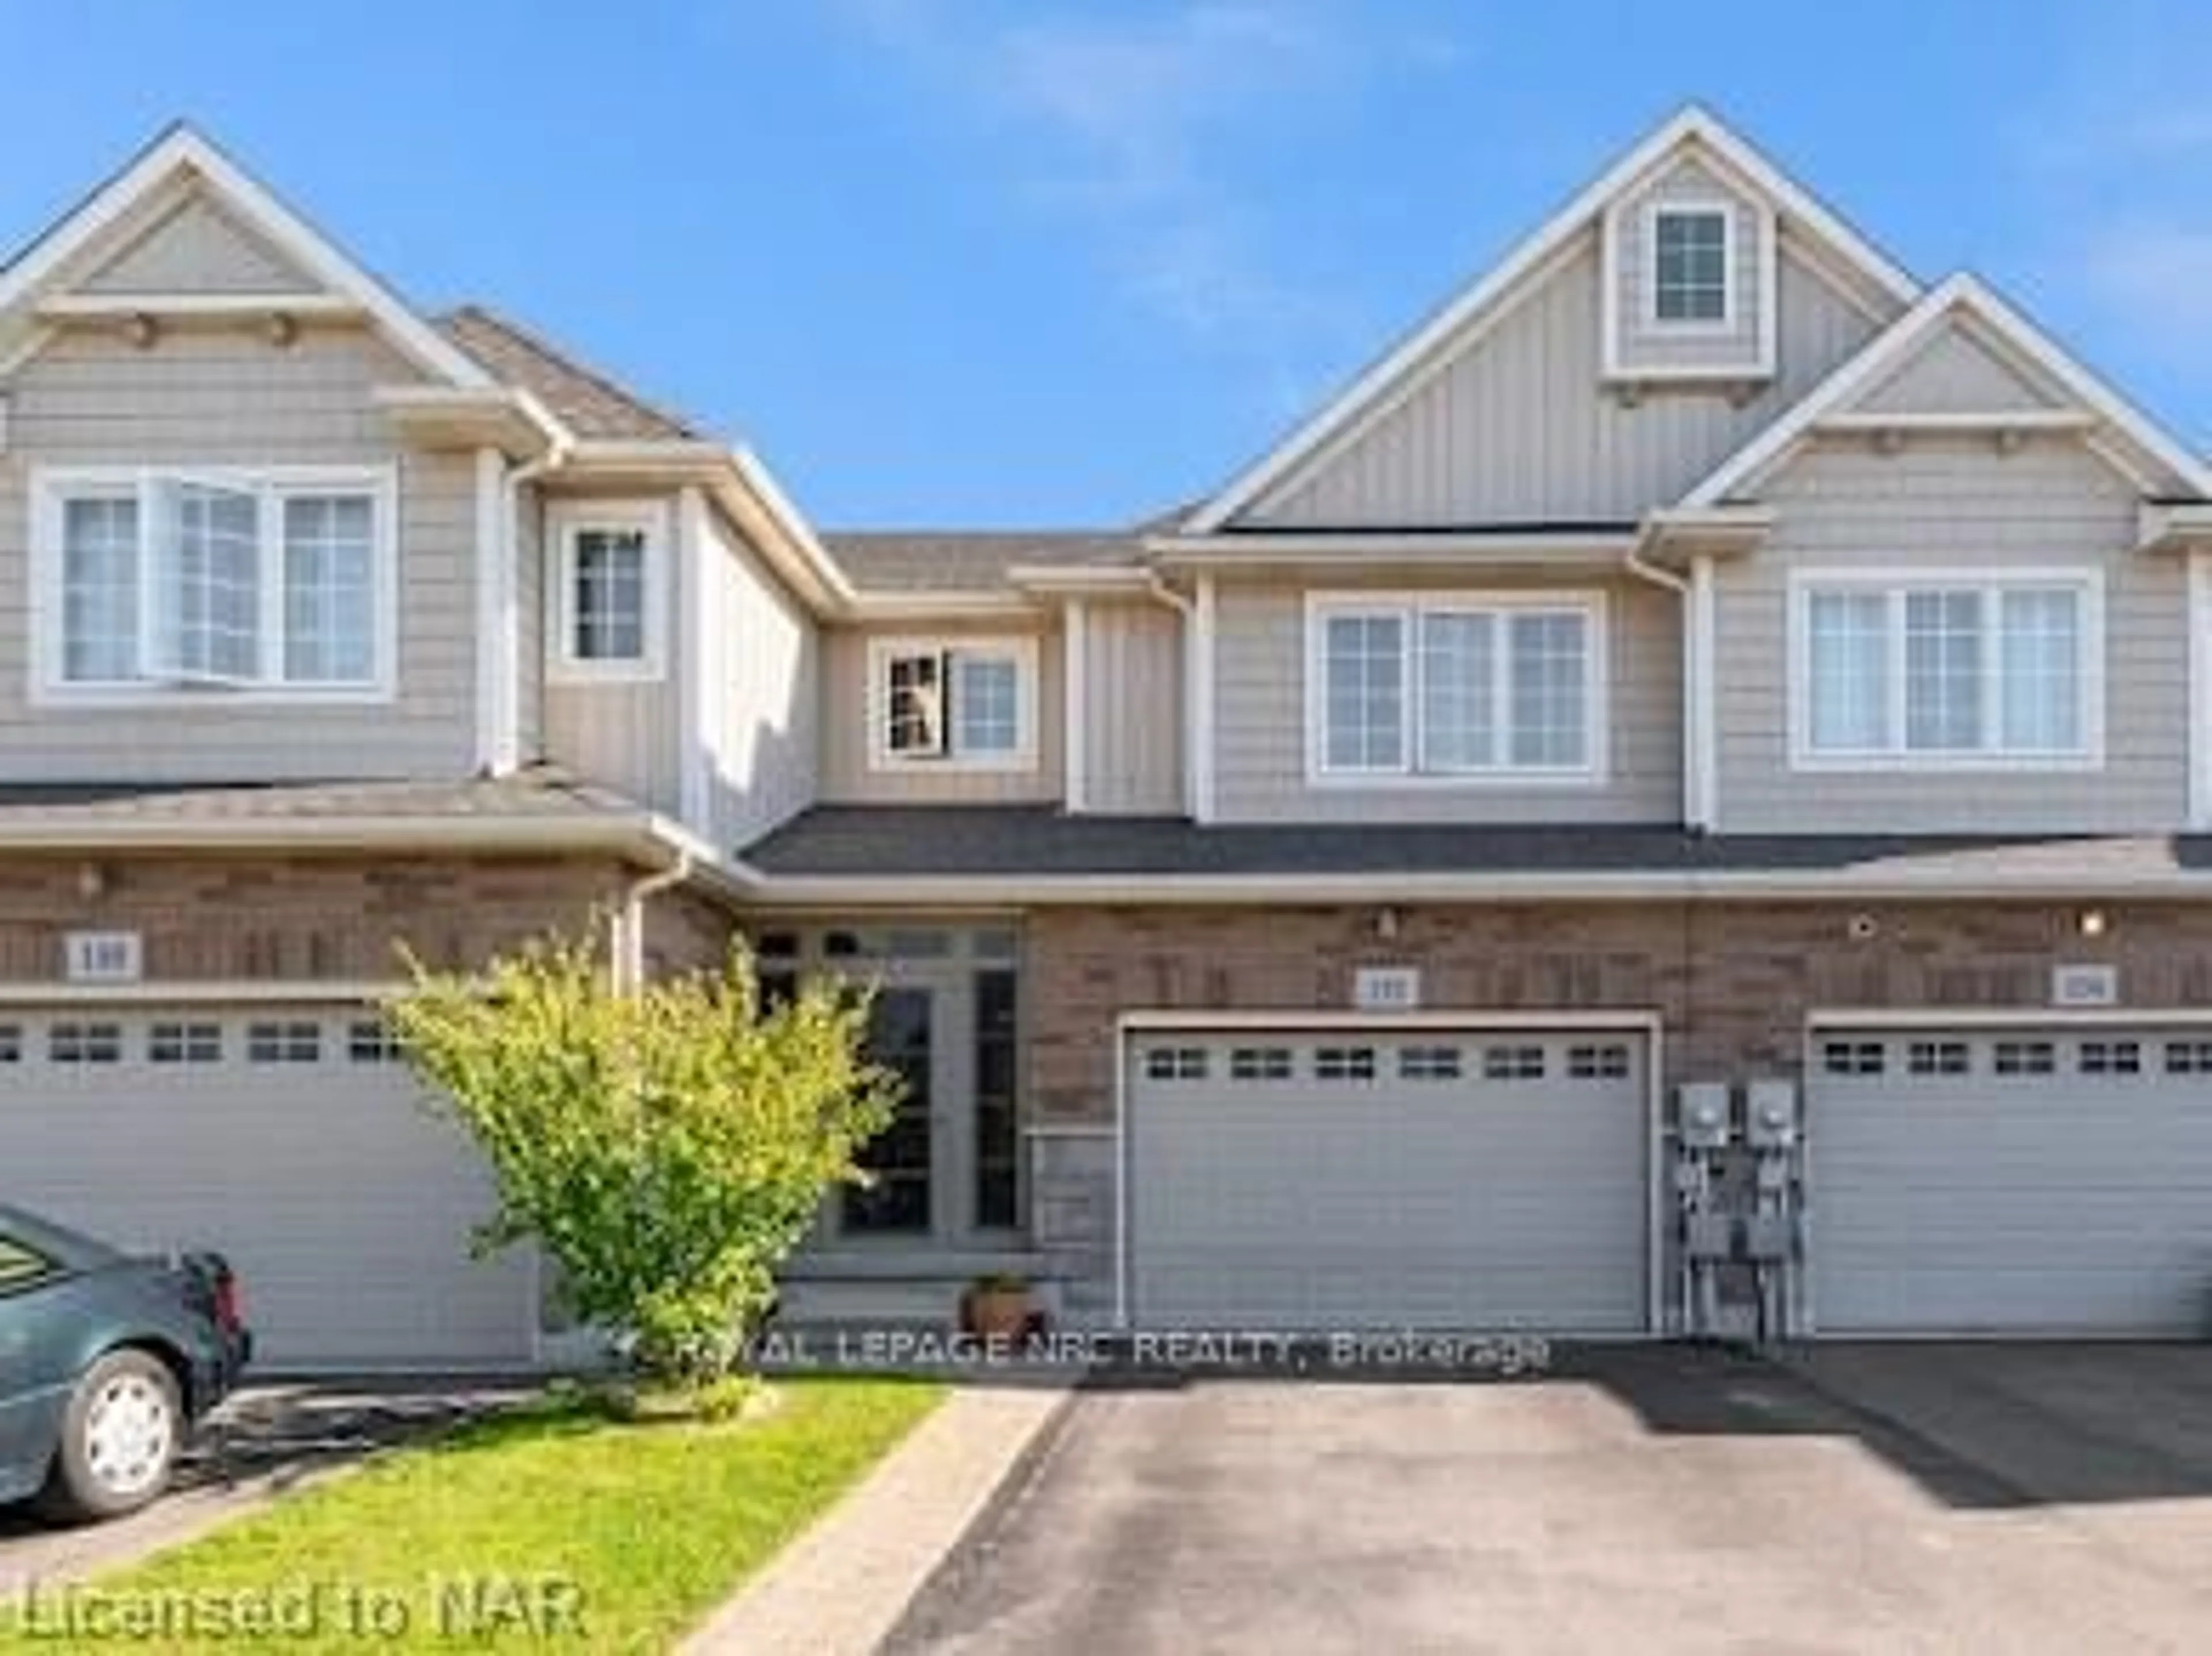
column 1694, row 672
column 557, row 455
column 1161, row 593
column 629, row 964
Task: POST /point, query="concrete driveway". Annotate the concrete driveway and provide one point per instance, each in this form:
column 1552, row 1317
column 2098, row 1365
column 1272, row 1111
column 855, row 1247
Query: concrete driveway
column 1650, row 1499
column 264, row 1440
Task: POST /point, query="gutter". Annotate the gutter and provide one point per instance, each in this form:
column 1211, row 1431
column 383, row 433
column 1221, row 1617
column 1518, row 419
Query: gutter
column 1369, row 888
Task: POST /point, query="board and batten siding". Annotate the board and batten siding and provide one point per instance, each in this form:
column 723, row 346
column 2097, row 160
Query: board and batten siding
column 1133, row 710
column 761, row 724
column 1954, row 505
column 1260, row 731
column 1521, row 429
column 224, row 396
column 848, row 704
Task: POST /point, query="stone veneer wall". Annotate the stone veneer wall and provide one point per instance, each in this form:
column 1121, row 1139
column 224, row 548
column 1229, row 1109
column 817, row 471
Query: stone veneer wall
column 1733, row 983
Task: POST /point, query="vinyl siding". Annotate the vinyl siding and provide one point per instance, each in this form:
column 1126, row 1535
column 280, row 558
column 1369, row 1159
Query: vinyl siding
column 764, row 695
column 198, row 248
column 1132, row 709
column 1260, row 726
column 530, row 620
column 848, row 707
column 224, row 396
column 1954, row 504
column 1645, row 347
column 1520, row 429
column 1954, row 373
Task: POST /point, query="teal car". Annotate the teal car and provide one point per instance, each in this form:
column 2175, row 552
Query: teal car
column 107, row 1359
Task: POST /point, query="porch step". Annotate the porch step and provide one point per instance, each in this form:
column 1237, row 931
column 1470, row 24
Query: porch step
column 830, row 1303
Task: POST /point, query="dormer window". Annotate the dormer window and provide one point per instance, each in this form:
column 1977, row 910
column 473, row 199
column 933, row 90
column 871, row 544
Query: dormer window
column 968, row 704
column 1691, row 259
column 608, row 590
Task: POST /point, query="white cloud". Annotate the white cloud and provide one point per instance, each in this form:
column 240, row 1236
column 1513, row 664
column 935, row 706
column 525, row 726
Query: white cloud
column 1133, row 126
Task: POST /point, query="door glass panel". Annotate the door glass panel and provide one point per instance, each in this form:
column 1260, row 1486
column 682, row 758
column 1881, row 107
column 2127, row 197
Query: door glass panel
column 897, row 1198
column 998, row 1139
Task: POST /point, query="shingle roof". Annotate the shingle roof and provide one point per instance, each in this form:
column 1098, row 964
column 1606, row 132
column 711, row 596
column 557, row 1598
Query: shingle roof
column 922, row 842
column 948, row 561
column 589, row 403
column 537, row 797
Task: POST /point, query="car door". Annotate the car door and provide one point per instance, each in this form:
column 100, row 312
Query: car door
column 27, row 1387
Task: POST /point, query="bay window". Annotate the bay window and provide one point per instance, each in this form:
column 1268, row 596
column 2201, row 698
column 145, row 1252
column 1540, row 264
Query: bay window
column 1455, row 686
column 273, row 582
column 1933, row 669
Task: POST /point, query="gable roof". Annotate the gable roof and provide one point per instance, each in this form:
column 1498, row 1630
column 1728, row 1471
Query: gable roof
column 180, row 150
column 1426, row 347
column 589, row 403
column 1963, row 294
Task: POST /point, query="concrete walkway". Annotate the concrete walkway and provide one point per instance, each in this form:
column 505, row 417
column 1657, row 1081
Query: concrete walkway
column 841, row 1588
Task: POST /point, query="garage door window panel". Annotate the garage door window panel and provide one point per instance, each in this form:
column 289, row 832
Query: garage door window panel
column 11, row 1043
column 289, row 1042
column 74, row 1042
column 2024, row 1057
column 184, row 1043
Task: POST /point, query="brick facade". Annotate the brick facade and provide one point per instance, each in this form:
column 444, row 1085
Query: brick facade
column 1734, row 981
column 263, row 918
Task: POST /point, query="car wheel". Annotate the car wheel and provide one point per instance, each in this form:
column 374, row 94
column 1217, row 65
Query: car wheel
column 120, row 1435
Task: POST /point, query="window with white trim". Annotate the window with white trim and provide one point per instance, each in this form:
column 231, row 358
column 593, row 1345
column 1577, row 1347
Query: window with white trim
column 969, row 704
column 1456, row 687
column 1691, row 278
column 234, row 581
column 1944, row 672
column 608, row 590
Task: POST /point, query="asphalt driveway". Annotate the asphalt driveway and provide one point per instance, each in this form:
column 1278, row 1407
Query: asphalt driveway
column 1650, row 1499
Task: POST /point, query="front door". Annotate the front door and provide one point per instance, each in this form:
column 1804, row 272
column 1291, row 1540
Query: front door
column 945, row 1019
column 905, row 1190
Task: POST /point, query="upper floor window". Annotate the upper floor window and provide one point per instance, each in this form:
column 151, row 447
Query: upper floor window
column 608, row 590
column 971, row 703
column 273, row 581
column 1456, row 687
column 1930, row 671
column 1690, row 260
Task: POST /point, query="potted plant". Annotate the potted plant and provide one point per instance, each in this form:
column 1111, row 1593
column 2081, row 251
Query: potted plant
column 997, row 1305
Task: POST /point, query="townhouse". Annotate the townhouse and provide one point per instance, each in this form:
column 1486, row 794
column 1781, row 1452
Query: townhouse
column 1703, row 653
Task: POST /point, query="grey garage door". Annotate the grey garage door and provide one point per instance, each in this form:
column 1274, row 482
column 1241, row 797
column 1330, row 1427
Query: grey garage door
column 291, row 1139
column 1446, row 1179
column 2016, row 1181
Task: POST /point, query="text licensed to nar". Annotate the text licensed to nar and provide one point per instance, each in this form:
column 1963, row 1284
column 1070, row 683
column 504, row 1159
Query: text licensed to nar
column 542, row 1609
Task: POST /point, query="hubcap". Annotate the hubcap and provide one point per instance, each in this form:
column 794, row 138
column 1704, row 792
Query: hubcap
column 127, row 1433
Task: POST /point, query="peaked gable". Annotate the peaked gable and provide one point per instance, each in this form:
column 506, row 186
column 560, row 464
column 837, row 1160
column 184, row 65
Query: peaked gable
column 197, row 247
column 1959, row 369
column 107, row 223
column 1964, row 339
column 1432, row 347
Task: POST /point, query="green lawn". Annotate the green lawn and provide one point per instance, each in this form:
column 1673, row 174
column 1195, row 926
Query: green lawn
column 601, row 1536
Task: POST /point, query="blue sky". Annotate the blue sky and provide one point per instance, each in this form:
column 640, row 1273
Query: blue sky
column 1018, row 262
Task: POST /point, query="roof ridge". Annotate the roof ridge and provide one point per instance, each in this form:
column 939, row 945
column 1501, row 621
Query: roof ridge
column 531, row 339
